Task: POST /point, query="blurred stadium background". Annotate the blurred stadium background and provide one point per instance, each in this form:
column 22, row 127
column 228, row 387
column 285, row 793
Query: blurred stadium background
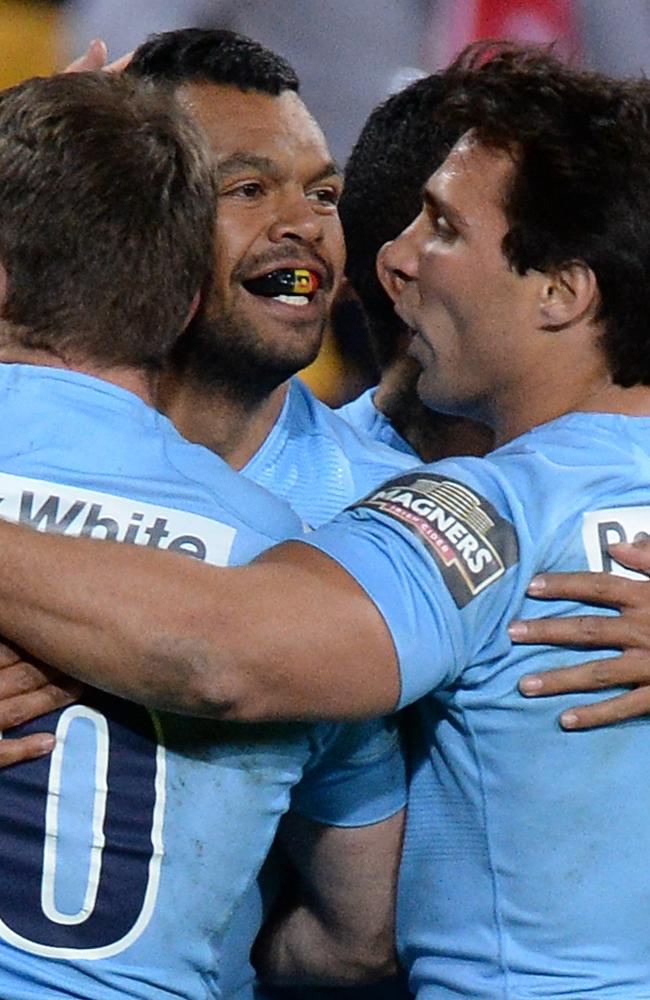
column 350, row 54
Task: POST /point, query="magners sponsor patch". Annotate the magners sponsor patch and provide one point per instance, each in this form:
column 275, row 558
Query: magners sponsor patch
column 470, row 541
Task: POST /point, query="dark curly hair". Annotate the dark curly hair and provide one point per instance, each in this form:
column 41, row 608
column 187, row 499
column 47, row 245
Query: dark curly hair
column 580, row 189
column 401, row 144
column 213, row 56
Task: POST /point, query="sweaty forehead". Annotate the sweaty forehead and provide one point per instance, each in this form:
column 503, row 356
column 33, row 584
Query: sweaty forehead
column 237, row 121
column 472, row 178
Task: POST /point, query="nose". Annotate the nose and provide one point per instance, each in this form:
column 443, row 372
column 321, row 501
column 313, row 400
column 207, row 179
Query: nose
column 397, row 264
column 296, row 219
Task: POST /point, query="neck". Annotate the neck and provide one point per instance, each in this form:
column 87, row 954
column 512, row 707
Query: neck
column 432, row 435
column 140, row 383
column 547, row 394
column 234, row 430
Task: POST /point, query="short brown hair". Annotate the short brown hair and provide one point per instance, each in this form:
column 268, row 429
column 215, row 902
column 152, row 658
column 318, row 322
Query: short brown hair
column 107, row 206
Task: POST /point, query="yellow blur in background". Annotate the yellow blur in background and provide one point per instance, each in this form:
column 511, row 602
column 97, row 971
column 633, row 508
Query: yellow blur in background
column 29, row 40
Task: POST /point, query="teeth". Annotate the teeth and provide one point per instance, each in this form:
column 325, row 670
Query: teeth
column 292, row 300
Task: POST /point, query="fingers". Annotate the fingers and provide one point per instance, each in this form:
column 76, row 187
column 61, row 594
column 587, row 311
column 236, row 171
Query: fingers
column 617, row 671
column 25, row 707
column 23, row 676
column 589, row 631
column 591, row 588
column 26, row 692
column 634, row 556
column 94, row 58
column 631, row 705
column 26, row 748
column 8, row 655
column 632, row 668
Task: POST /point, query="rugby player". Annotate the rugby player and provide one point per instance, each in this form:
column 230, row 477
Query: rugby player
column 229, row 385
column 130, row 860
column 400, row 145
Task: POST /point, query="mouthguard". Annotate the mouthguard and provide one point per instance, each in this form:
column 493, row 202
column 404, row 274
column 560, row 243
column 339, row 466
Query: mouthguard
column 284, row 281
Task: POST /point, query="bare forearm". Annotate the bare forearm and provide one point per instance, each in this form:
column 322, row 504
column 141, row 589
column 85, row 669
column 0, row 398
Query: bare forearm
column 280, row 639
column 103, row 613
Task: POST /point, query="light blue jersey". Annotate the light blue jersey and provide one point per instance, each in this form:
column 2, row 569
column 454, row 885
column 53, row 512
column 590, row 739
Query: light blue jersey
column 130, row 856
column 525, row 870
column 318, row 463
column 362, row 414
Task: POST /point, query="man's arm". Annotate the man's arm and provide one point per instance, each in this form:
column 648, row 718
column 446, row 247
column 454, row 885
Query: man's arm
column 629, row 631
column 335, row 923
column 290, row 636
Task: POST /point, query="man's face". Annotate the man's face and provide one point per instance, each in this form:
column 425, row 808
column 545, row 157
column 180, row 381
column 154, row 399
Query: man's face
column 277, row 209
column 471, row 315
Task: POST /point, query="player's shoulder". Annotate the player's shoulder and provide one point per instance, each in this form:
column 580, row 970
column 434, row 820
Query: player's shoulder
column 362, row 414
column 550, row 473
column 565, row 458
column 86, row 456
column 226, row 492
column 467, row 479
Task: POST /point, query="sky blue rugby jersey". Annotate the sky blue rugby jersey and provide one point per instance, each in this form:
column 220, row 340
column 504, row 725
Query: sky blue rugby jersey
column 317, row 462
column 128, row 857
column 362, row 414
column 525, row 867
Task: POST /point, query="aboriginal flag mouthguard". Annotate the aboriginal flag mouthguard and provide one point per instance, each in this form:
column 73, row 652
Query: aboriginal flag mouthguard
column 285, row 281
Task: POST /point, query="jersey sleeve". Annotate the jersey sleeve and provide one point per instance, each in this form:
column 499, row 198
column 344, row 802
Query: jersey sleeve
column 356, row 776
column 437, row 550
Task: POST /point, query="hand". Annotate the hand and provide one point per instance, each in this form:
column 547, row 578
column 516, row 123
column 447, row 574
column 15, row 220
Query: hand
column 28, row 690
column 629, row 631
column 96, row 58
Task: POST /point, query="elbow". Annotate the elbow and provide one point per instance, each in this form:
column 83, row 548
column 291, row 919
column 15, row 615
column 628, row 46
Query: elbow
column 181, row 675
column 362, row 959
column 209, row 684
column 375, row 961
column 215, row 673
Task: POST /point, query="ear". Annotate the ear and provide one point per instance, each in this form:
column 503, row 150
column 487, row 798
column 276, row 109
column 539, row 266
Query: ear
column 568, row 296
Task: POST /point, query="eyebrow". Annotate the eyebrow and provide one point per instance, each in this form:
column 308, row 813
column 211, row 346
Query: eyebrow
column 435, row 204
column 247, row 161
column 330, row 169
column 264, row 165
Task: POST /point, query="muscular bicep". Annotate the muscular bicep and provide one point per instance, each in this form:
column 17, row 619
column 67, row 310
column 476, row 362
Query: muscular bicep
column 350, row 872
column 327, row 649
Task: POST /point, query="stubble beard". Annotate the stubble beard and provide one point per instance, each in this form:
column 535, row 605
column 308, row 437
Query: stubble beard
column 224, row 355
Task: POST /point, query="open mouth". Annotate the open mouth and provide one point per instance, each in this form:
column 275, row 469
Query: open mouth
column 294, row 286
